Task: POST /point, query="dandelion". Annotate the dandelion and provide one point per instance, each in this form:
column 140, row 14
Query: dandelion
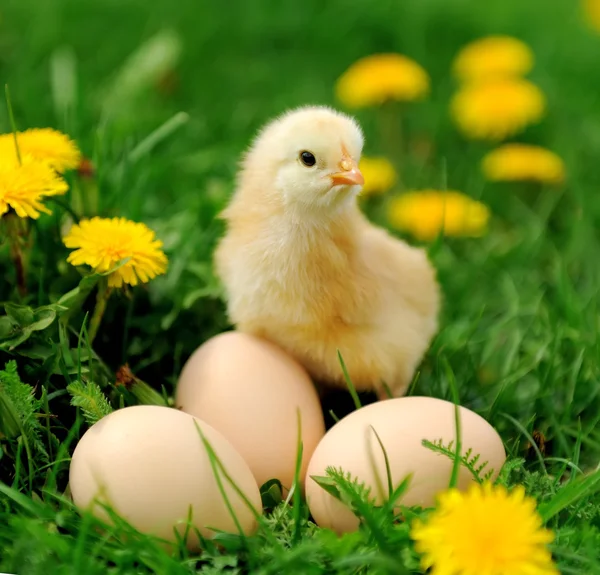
column 493, row 57
column 591, row 9
column 43, row 144
column 427, row 213
column 379, row 174
column 375, row 79
column 102, row 243
column 523, row 162
column 497, row 109
column 485, row 531
column 24, row 185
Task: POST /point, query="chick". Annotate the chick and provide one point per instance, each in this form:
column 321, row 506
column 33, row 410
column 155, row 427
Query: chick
column 303, row 267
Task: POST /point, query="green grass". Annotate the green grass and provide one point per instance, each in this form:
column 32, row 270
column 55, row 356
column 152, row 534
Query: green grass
column 520, row 324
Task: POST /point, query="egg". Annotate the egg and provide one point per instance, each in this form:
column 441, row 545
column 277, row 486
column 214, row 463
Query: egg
column 401, row 424
column 149, row 464
column 251, row 391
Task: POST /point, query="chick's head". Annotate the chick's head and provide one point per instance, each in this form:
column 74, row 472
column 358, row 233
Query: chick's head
column 311, row 156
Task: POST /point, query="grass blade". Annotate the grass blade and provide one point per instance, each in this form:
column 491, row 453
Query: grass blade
column 571, row 493
column 349, row 383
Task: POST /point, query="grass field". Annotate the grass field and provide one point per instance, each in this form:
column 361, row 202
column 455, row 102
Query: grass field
column 163, row 97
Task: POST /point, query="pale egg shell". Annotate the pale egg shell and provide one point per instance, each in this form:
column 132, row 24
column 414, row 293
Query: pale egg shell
column 401, row 424
column 251, row 391
column 150, row 465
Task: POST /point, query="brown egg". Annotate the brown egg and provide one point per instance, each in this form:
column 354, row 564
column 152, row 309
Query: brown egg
column 150, row 465
column 251, row 391
column 402, row 424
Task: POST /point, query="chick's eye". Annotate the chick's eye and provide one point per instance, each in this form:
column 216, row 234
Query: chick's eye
column 308, row 159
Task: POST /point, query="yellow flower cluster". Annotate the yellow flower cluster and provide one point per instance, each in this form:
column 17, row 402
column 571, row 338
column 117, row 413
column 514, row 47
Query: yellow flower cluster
column 379, row 78
column 498, row 108
column 379, row 175
column 523, row 162
column 30, row 169
column 104, row 243
column 493, row 57
column 591, row 9
column 494, row 101
column 428, row 213
column 23, row 185
column 484, row 531
column 45, row 144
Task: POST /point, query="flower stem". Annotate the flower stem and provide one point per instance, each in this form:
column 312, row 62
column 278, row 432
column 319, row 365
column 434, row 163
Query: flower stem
column 16, row 229
column 101, row 301
column 17, row 258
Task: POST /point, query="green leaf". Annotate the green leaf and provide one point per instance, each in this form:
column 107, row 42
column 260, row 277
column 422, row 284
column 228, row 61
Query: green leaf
column 140, row 70
column 400, row 489
column 572, row 492
column 43, row 318
column 27, row 503
column 192, row 297
column 388, row 470
column 13, row 343
column 10, row 425
column 271, row 493
column 348, row 380
column 21, row 321
column 328, row 484
column 6, row 327
column 19, row 410
column 70, row 370
column 74, row 299
column 356, row 495
column 38, row 350
column 158, row 135
column 21, row 315
column 468, row 460
column 146, row 394
column 90, row 399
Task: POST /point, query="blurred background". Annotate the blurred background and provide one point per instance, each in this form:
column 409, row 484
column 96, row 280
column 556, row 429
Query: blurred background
column 164, row 96
column 122, row 68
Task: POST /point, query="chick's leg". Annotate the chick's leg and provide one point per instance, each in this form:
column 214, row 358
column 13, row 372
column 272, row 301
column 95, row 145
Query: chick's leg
column 373, row 355
column 373, row 363
column 399, row 386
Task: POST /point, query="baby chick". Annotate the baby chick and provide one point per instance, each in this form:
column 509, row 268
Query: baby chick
column 303, row 267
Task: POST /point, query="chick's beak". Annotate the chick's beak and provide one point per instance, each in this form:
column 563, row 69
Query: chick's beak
column 349, row 174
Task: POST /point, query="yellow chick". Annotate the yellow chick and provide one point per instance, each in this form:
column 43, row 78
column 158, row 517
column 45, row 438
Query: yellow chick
column 304, row 268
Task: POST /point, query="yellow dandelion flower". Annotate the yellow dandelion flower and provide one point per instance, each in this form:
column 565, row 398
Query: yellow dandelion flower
column 591, row 10
column 497, row 109
column 523, row 162
column 104, row 242
column 425, row 214
column 43, row 144
column 484, row 531
column 493, row 57
column 23, row 186
column 375, row 79
column 379, row 175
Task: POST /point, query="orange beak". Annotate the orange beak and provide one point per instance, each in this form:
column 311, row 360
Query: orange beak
column 349, row 175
